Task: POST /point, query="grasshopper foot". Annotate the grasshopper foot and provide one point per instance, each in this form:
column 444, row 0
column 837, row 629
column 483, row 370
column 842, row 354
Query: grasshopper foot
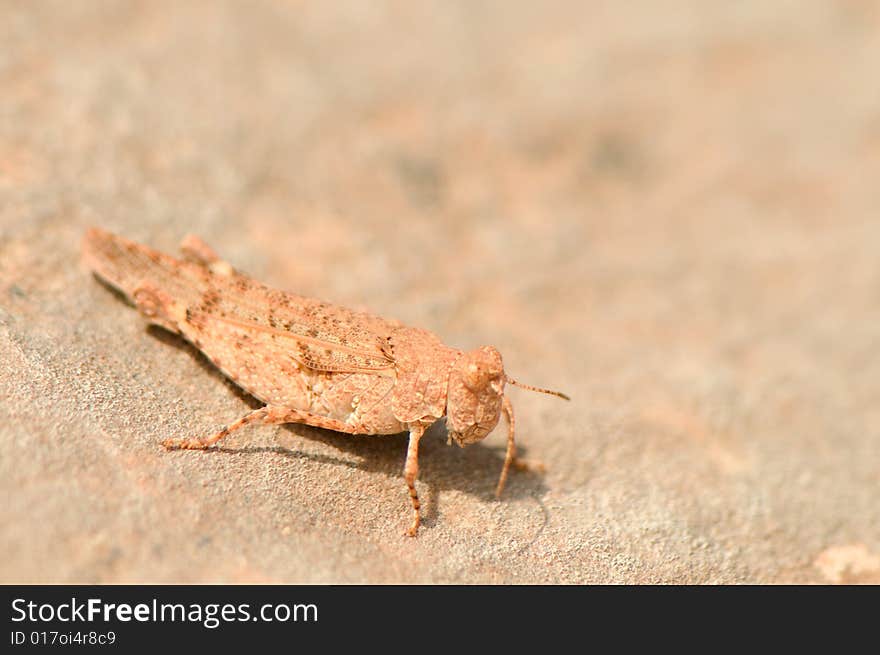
column 414, row 528
column 184, row 444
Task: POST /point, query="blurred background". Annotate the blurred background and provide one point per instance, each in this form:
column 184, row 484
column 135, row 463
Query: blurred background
column 667, row 210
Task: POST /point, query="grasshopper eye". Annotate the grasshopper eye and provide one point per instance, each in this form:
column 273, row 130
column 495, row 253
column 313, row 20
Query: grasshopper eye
column 481, row 368
column 475, row 376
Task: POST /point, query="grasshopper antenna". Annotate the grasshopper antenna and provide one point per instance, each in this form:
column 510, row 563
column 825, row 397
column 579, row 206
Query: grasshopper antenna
column 558, row 394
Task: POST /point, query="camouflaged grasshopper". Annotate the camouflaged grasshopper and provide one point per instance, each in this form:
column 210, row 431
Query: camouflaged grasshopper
column 309, row 361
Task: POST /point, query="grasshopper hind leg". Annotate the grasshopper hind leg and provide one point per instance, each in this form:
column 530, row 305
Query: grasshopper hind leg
column 257, row 416
column 196, row 251
column 268, row 415
column 273, row 415
column 156, row 306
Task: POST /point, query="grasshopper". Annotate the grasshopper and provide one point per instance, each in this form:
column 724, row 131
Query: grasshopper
column 310, row 361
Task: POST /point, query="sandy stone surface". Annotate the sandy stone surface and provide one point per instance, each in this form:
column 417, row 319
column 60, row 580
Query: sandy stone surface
column 667, row 210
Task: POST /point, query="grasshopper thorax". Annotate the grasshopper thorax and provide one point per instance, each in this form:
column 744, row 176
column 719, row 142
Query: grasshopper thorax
column 474, row 395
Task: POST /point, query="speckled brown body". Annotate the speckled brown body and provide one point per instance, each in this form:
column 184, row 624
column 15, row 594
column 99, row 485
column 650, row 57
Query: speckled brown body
column 309, row 361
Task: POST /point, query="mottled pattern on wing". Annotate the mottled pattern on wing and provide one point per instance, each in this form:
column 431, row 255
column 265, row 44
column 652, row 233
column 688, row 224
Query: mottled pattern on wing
column 319, row 335
column 253, row 361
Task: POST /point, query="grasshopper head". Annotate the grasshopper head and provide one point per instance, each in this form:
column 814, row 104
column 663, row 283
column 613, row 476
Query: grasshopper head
column 474, row 395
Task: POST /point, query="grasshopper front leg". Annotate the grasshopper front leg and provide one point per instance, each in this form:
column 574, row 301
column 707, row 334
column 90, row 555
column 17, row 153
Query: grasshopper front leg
column 510, row 455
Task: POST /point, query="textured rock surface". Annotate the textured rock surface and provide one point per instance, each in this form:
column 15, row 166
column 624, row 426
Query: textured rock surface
column 669, row 212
